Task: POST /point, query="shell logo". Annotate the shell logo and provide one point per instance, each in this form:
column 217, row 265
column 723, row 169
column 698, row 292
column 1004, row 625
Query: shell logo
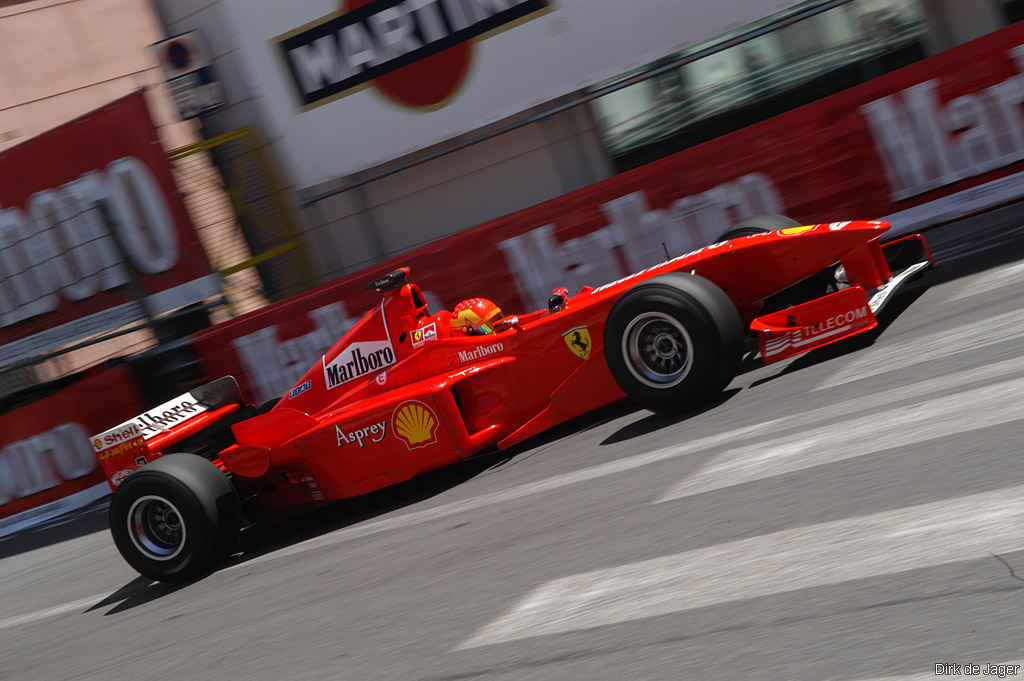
column 793, row 231
column 97, row 444
column 415, row 423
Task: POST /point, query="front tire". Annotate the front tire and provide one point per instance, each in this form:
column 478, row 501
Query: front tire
column 673, row 342
column 808, row 289
column 175, row 517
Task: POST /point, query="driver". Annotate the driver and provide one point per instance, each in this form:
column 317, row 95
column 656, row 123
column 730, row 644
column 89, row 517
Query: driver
column 476, row 316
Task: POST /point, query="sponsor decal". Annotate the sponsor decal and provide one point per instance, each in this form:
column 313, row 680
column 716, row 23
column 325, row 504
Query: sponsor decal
column 809, row 335
column 118, row 477
column 427, row 333
column 125, row 440
column 357, row 360
column 360, row 358
column 479, row 352
column 793, row 231
column 382, row 378
column 577, row 339
column 836, row 226
column 359, row 434
column 126, row 432
column 127, row 447
column 779, row 345
column 273, row 364
column 415, row 424
column 157, row 420
column 838, row 322
column 395, row 46
column 299, row 389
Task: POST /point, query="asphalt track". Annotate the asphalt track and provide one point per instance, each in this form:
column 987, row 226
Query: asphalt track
column 857, row 513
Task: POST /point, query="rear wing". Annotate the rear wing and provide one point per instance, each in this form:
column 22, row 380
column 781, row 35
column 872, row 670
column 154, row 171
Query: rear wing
column 126, row 447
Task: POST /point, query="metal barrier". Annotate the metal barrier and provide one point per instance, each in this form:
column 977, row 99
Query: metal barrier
column 244, row 219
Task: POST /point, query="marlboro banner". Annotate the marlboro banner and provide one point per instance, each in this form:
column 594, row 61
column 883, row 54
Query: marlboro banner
column 47, row 463
column 93, row 233
column 929, row 143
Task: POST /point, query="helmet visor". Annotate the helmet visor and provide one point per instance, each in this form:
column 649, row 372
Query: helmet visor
column 486, row 325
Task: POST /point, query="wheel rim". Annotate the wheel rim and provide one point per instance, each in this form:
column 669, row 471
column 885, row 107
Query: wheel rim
column 658, row 350
column 156, row 528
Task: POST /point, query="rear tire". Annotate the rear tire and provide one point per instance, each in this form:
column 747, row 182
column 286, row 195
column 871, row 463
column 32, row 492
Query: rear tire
column 673, row 342
column 757, row 224
column 175, row 518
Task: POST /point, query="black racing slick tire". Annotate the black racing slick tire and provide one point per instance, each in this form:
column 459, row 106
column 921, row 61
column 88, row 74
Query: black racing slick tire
column 673, row 342
column 174, row 518
column 757, row 224
column 813, row 287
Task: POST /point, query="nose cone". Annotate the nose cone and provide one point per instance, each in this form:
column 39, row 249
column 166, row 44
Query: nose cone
column 857, row 225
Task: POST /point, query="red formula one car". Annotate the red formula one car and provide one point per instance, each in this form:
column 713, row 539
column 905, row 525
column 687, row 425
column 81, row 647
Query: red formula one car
column 407, row 390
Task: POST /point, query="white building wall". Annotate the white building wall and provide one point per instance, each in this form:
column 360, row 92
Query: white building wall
column 356, row 228
column 457, row 191
column 60, row 59
column 955, row 22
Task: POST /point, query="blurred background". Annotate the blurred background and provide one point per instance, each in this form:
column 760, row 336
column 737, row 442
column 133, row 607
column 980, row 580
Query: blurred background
column 189, row 189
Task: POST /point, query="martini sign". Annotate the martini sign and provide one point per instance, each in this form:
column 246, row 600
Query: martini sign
column 415, row 52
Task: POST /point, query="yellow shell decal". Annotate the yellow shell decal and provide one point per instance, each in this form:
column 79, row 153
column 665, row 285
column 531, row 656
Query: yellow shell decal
column 577, row 339
column 791, row 231
column 415, row 423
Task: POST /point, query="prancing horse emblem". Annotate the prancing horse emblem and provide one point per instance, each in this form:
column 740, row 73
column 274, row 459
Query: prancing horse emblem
column 577, row 339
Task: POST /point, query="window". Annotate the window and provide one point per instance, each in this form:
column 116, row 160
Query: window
column 758, row 78
column 1013, row 10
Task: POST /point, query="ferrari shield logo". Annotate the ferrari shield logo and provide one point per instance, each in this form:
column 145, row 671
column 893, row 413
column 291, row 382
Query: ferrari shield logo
column 577, row 339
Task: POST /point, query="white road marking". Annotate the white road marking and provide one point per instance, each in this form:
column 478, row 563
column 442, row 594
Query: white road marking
column 876, row 360
column 800, row 420
column 939, row 533
column 9, row 622
column 767, row 428
column 987, row 281
column 899, row 427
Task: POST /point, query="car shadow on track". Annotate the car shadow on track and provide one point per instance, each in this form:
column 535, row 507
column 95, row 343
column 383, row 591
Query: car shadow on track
column 655, row 421
column 79, row 523
column 265, row 539
column 139, row 591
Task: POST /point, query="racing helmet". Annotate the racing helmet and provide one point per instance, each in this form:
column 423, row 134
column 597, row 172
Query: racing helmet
column 476, row 316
